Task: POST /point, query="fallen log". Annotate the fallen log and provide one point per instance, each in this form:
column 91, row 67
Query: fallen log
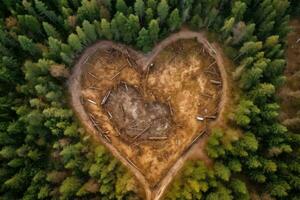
column 105, row 97
column 200, row 118
column 158, row 138
column 216, row 82
column 91, row 101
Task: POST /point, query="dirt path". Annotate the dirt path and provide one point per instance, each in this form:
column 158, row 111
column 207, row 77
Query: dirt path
column 74, row 85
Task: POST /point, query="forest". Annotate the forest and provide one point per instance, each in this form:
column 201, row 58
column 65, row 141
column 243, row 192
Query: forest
column 44, row 150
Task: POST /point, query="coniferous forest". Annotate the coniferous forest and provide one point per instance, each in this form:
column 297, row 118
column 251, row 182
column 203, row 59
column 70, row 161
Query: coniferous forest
column 44, row 151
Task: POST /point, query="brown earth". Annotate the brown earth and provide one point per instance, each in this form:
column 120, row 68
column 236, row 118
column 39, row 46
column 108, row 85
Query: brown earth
column 144, row 107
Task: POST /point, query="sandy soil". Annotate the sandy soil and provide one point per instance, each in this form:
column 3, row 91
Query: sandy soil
column 185, row 77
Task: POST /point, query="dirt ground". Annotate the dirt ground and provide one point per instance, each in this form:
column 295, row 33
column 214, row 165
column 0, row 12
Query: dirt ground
column 150, row 110
column 151, row 117
column 293, row 66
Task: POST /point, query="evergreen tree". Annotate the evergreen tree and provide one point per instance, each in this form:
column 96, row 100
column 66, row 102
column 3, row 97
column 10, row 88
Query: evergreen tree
column 139, row 8
column 90, row 31
column 132, row 29
column 144, row 40
column 149, row 15
column 174, row 20
column 163, row 11
column 121, row 6
column 74, row 42
column 29, row 23
column 238, row 10
column 28, row 45
column 152, row 4
column 227, row 28
column 88, row 11
column 106, row 29
column 49, row 14
column 153, row 30
column 51, row 31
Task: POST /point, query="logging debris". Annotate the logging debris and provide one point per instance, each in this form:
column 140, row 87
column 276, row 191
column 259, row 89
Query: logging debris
column 91, row 101
column 105, row 97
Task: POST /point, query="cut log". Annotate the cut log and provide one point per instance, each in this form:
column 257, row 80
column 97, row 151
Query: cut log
column 110, row 115
column 95, row 77
column 216, row 82
column 91, row 101
column 141, row 133
column 105, row 97
column 200, row 118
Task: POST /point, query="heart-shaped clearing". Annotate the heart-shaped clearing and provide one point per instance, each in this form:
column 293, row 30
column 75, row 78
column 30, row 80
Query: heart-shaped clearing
column 149, row 109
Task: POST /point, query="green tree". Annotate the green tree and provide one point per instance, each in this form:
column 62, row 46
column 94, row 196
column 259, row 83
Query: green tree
column 152, row 4
column 174, row 20
column 118, row 26
column 74, row 42
column 149, row 15
column 51, row 31
column 139, row 8
column 106, row 29
column 153, row 30
column 69, row 187
column 163, row 11
column 132, row 29
column 49, row 14
column 90, row 31
column 227, row 28
column 238, row 10
column 82, row 36
column 121, row 6
column 251, row 47
column 144, row 40
column 29, row 23
column 28, row 45
column 222, row 171
column 88, row 11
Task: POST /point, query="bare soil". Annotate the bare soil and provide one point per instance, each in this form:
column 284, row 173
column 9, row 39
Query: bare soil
column 144, row 107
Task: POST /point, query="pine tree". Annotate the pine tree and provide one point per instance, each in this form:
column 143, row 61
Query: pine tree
column 153, row 30
column 49, row 14
column 88, row 11
column 90, row 31
column 54, row 48
column 51, row 31
column 186, row 7
column 174, row 20
column 251, row 47
column 152, row 4
column 139, row 8
column 144, row 40
column 69, row 187
column 238, row 10
column 29, row 23
column 227, row 28
column 132, row 29
column 121, row 6
column 163, row 11
column 74, row 42
column 106, row 29
column 118, row 26
column 149, row 15
column 28, row 45
column 82, row 36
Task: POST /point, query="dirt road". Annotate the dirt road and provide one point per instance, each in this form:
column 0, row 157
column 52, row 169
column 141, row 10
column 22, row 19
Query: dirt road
column 74, row 84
